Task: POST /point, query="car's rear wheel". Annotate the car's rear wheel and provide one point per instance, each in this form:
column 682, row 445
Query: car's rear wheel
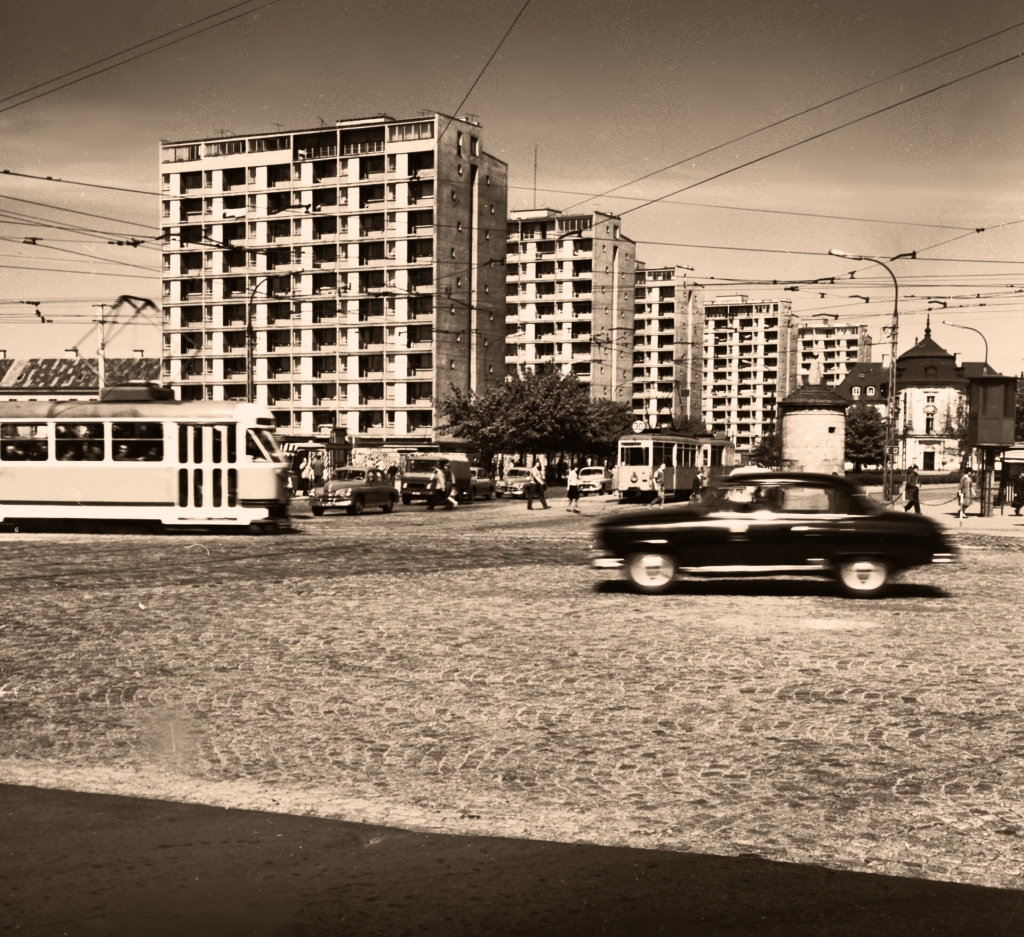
column 388, row 506
column 498, row 494
column 863, row 577
column 357, row 505
column 317, row 509
column 651, row 573
column 490, row 495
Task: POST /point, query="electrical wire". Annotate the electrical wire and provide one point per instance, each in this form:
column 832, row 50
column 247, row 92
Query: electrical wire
column 77, row 211
column 805, row 112
column 825, row 133
column 482, row 70
column 75, row 81
column 91, row 185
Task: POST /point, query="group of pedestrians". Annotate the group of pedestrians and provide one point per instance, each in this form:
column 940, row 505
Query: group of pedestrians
column 912, row 492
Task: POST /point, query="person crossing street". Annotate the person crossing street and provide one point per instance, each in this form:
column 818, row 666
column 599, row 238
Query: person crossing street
column 536, row 487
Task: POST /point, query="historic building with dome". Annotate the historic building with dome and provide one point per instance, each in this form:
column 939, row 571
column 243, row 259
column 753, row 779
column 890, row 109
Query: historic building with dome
column 933, row 391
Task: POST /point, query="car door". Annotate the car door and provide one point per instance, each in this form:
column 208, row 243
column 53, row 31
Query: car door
column 374, row 488
column 815, row 521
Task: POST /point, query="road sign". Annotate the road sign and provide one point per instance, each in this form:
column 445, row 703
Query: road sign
column 639, row 426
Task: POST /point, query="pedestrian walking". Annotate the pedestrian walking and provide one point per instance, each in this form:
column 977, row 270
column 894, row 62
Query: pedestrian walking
column 536, row 487
column 573, row 481
column 318, row 471
column 698, row 485
column 437, row 494
column 965, row 495
column 451, row 500
column 1018, row 494
column 659, row 486
column 912, row 491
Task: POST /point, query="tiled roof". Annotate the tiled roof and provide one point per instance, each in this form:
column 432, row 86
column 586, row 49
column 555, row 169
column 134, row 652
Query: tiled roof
column 62, row 375
column 813, row 397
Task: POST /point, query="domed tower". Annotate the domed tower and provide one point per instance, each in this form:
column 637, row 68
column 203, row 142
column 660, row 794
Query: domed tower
column 813, row 430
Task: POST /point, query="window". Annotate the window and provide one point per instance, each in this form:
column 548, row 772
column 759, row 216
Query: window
column 423, row 130
column 24, row 442
column 635, row 455
column 225, row 148
column 181, row 154
column 855, row 392
column 458, row 142
column 474, row 146
column 266, row 145
column 869, row 391
column 80, row 442
column 137, row 442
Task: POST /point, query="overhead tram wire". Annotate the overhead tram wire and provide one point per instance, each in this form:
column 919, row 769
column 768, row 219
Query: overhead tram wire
column 88, row 273
column 8, row 217
column 77, row 211
column 67, row 84
column 90, row 257
column 824, row 133
column 91, row 185
column 802, row 113
column 487, row 64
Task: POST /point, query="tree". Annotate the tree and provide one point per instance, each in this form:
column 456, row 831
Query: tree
column 768, row 451
column 865, row 436
column 693, row 426
column 542, row 412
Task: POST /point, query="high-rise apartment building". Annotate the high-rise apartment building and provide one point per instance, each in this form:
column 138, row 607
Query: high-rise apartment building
column 750, row 364
column 668, row 338
column 570, row 281
column 344, row 276
column 837, row 347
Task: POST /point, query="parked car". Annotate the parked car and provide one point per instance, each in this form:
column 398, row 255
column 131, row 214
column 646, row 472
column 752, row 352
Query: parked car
column 595, row 480
column 514, row 483
column 355, row 489
column 481, row 485
column 418, row 475
column 772, row 523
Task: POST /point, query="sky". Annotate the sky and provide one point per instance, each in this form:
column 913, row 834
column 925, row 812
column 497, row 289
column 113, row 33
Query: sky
column 604, row 92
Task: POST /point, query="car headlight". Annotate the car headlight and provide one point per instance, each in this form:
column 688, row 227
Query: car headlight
column 342, row 492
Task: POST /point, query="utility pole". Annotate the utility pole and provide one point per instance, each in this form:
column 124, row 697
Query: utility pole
column 102, row 349
column 535, row 175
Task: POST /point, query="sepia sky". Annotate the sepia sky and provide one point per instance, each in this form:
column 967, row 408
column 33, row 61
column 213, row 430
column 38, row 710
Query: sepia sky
column 606, row 92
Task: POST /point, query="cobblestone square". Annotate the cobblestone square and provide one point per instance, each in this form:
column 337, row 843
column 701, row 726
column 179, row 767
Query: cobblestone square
column 467, row 672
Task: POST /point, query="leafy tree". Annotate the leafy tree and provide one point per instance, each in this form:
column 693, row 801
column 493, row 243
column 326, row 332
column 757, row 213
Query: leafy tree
column 865, row 436
column 768, row 451
column 541, row 412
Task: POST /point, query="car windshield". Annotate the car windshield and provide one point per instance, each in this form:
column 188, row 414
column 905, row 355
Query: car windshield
column 350, row 475
column 591, row 471
column 421, row 465
column 518, row 473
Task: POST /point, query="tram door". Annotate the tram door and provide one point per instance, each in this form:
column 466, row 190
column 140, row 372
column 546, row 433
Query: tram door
column 207, row 471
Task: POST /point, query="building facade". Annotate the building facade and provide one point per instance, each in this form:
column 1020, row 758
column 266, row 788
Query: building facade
column 750, row 364
column 668, row 338
column 346, row 277
column 570, row 282
column 933, row 387
column 837, row 346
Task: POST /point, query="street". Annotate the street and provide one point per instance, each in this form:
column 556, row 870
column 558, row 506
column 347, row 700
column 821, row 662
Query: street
column 467, row 672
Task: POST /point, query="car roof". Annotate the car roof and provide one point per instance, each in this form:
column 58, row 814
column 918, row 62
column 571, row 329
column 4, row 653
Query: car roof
column 769, row 477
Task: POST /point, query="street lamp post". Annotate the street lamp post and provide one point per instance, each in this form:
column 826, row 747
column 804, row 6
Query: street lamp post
column 250, row 344
column 892, row 406
column 972, row 329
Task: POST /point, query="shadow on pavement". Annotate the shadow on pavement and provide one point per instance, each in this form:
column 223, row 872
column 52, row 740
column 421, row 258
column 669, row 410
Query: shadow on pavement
column 86, row 864
column 774, row 587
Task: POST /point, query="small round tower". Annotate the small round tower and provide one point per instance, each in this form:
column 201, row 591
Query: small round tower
column 813, row 430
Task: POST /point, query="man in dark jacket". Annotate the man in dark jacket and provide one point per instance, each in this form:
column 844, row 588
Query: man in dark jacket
column 912, row 491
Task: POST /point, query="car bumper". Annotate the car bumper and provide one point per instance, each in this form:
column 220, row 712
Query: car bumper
column 607, row 562
column 331, row 502
column 943, row 558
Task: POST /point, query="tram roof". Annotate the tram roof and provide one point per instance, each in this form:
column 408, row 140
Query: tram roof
column 128, row 410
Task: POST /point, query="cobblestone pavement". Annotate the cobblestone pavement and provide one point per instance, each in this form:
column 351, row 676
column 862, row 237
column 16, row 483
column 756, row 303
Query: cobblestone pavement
column 467, row 672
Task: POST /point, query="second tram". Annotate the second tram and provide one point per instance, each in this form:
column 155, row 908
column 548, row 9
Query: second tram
column 640, row 454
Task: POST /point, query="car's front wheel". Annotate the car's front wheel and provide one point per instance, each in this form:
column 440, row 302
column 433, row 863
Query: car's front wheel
column 406, row 499
column 357, row 505
column 651, row 573
column 317, row 509
column 863, row 577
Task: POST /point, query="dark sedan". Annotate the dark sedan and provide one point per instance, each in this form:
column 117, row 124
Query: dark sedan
column 772, row 523
column 354, row 490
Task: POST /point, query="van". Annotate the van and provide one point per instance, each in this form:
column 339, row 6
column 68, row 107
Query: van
column 417, row 478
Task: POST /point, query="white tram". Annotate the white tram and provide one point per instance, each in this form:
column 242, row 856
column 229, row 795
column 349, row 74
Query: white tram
column 640, row 454
column 136, row 455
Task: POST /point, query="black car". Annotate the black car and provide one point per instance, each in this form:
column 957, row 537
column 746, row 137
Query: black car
column 772, row 523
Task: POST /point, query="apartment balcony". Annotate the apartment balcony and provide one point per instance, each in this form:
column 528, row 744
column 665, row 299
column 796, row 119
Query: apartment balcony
column 359, row 149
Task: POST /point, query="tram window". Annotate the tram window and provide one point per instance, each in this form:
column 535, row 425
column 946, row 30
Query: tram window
column 260, row 446
column 232, row 444
column 662, row 453
column 716, row 455
column 197, row 444
column 137, row 442
column 218, row 451
column 216, row 487
column 687, row 455
column 232, row 487
column 635, row 455
column 182, row 443
column 24, row 442
column 197, row 487
column 79, row 442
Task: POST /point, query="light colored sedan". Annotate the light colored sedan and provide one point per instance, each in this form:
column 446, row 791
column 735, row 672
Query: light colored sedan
column 514, row 483
column 595, row 480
